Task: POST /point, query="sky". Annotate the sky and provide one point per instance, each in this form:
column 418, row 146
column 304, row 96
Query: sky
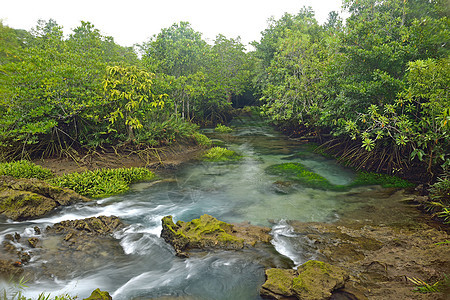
column 136, row 21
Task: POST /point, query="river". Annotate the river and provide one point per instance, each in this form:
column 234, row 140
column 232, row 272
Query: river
column 146, row 267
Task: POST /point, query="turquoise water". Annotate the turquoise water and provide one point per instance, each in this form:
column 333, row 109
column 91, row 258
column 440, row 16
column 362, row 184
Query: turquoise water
column 232, row 192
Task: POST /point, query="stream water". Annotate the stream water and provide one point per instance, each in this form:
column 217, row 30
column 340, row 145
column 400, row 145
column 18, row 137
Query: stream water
column 146, row 266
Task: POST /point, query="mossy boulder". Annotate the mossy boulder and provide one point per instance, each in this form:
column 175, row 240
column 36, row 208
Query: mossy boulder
column 24, row 199
column 99, row 295
column 207, row 232
column 314, row 280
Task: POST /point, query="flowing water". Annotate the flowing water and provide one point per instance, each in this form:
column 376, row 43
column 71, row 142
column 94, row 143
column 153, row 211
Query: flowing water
column 146, row 267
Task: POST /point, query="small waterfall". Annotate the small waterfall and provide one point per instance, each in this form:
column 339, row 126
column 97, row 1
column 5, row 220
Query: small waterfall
column 295, row 246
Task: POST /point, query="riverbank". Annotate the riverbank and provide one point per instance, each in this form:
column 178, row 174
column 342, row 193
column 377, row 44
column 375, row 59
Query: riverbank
column 152, row 158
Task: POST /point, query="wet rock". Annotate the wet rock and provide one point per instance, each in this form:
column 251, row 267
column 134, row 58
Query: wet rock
column 209, row 233
column 380, row 257
column 77, row 246
column 99, row 295
column 101, row 225
column 33, row 242
column 37, row 230
column 10, row 269
column 314, row 280
column 24, row 257
column 24, row 199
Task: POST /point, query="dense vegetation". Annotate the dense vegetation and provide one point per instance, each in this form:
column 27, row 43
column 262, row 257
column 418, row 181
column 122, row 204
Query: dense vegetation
column 374, row 86
column 61, row 94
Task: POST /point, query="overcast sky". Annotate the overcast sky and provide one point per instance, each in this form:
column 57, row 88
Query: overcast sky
column 135, row 21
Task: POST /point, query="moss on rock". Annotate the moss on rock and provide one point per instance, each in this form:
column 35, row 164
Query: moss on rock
column 207, row 232
column 314, row 280
column 99, row 295
column 204, row 232
column 23, row 199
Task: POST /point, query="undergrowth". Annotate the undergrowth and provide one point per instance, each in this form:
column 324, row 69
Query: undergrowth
column 103, row 182
column 15, row 291
column 439, row 203
column 25, row 169
column 223, row 128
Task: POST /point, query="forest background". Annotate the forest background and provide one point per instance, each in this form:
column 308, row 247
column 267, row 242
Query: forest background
column 373, row 88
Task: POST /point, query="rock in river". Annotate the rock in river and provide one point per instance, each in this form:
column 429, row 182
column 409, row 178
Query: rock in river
column 314, row 280
column 24, row 199
column 207, row 232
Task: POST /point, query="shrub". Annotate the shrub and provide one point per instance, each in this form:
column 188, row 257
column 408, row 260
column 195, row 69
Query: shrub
column 223, row 129
column 440, row 199
column 103, row 182
column 25, row 169
column 220, row 154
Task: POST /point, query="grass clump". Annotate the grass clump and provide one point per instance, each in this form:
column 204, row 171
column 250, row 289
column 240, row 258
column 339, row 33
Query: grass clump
column 220, row 154
column 202, row 139
column 25, row 169
column 223, row 129
column 103, row 182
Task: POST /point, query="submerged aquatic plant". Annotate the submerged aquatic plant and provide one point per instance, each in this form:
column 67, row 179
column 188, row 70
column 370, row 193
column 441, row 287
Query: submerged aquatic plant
column 297, row 172
column 220, row 154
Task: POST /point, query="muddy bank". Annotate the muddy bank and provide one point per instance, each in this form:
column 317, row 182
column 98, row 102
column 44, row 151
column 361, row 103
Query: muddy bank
column 152, row 158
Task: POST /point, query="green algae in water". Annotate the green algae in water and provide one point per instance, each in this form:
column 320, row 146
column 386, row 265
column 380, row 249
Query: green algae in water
column 298, row 173
column 220, row 154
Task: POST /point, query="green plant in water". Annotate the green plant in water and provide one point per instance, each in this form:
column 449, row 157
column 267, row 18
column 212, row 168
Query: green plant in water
column 223, row 129
column 297, row 172
column 220, row 154
column 103, row 182
column 25, row 169
column 370, row 178
column 202, row 139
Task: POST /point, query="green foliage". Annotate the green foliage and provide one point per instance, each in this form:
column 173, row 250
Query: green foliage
column 15, row 292
column 129, row 89
column 103, row 182
column 423, row 287
column 439, row 202
column 202, row 139
column 381, row 79
column 223, row 129
column 220, row 154
column 24, row 169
